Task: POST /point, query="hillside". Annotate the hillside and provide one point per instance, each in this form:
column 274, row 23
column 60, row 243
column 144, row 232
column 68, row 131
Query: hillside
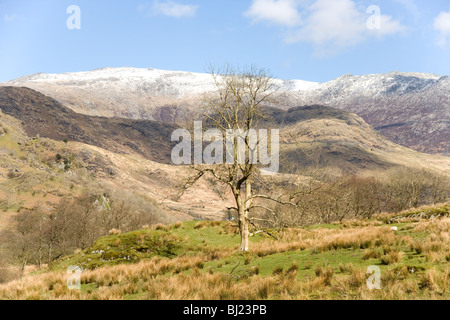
column 105, row 151
column 114, row 173
column 309, row 135
column 130, row 92
column 411, row 109
column 328, row 137
column 41, row 115
column 32, row 175
column 198, row 260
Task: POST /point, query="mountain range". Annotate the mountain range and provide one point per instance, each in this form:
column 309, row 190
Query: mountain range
column 309, row 135
column 411, row 109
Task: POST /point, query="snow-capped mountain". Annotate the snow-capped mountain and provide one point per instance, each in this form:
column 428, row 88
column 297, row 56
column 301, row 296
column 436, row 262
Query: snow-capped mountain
column 412, row 109
column 130, row 92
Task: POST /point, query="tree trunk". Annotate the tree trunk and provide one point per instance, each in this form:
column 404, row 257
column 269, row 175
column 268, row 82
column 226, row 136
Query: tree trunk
column 243, row 223
column 244, row 209
column 22, row 268
column 243, row 229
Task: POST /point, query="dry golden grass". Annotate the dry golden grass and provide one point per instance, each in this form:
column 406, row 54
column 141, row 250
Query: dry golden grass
column 322, row 240
column 186, row 277
column 205, row 224
column 392, row 257
column 142, row 279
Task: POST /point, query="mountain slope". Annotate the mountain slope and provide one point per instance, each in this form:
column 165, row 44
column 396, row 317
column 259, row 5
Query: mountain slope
column 328, row 137
column 131, row 92
column 411, row 109
column 32, row 176
column 313, row 135
column 48, row 118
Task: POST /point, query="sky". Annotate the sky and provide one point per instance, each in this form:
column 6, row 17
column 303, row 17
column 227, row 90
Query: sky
column 314, row 40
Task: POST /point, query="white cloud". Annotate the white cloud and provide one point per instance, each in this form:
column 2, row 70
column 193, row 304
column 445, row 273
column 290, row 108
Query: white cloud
column 329, row 25
column 388, row 26
column 169, row 8
column 283, row 12
column 334, row 23
column 442, row 24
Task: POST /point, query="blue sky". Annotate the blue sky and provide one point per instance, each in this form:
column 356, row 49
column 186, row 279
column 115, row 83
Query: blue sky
column 315, row 40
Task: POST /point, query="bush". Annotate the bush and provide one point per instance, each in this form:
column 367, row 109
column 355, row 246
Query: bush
column 350, row 197
column 11, row 174
column 292, row 268
column 277, row 270
column 255, row 270
column 392, row 257
column 114, row 232
column 371, row 254
column 325, row 273
column 78, row 223
column 161, row 227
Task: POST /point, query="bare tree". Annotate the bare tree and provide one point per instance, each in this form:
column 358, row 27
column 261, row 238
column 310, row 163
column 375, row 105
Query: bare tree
column 238, row 106
column 439, row 185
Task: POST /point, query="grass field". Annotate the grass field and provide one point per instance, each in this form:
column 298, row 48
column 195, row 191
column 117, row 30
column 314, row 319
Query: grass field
column 199, row 260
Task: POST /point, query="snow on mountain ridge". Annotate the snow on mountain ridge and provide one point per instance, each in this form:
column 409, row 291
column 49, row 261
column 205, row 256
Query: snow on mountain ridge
column 182, row 84
column 412, row 109
column 186, row 83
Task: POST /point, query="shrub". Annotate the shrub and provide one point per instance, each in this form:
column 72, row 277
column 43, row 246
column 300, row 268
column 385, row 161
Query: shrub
column 371, row 254
column 200, row 225
column 161, row 227
column 114, row 232
column 255, row 270
column 264, row 288
column 292, row 268
column 428, row 280
column 325, row 273
column 177, row 225
column 277, row 270
column 11, row 174
column 392, row 257
column 349, row 267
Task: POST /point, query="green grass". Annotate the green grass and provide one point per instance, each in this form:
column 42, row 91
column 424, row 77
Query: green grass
column 145, row 244
column 200, row 239
column 124, row 248
column 324, row 226
column 214, row 237
column 189, row 240
column 427, row 212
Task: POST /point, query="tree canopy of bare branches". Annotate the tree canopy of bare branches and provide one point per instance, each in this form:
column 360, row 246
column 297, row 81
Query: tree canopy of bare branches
column 237, row 106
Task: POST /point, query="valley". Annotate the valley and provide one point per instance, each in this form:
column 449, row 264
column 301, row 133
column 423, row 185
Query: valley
column 66, row 156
